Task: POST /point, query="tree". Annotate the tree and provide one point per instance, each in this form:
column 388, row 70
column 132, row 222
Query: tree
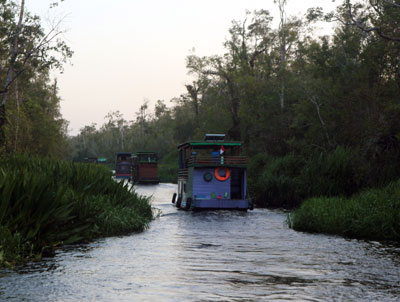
column 29, row 50
column 381, row 17
column 283, row 50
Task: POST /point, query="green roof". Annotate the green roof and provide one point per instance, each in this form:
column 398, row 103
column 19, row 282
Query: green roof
column 215, row 143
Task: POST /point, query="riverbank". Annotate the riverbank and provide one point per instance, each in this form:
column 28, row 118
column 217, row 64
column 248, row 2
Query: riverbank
column 46, row 203
column 373, row 214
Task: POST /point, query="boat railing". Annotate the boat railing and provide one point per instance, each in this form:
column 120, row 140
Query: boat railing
column 217, row 161
column 183, row 174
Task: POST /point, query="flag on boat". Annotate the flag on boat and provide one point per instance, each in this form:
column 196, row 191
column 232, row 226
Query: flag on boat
column 222, row 150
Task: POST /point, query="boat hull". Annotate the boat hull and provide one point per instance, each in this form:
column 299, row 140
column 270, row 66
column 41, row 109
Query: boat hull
column 227, row 204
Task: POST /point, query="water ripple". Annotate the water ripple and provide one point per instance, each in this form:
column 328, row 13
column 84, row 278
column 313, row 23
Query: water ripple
column 211, row 256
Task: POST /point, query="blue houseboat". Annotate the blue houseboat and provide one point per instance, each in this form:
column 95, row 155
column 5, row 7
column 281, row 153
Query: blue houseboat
column 123, row 165
column 212, row 175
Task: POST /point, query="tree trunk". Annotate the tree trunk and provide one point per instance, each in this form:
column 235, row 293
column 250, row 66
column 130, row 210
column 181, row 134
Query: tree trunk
column 2, row 128
column 9, row 78
column 194, row 94
column 282, row 26
column 17, row 118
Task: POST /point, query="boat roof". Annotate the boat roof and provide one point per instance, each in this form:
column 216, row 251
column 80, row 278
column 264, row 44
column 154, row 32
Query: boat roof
column 208, row 144
column 145, row 152
column 123, row 153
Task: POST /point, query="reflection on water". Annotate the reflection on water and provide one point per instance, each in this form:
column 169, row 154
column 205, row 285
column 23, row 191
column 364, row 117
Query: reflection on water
column 211, row 256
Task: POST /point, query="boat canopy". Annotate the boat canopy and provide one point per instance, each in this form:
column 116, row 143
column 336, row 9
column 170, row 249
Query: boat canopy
column 145, row 156
column 123, row 156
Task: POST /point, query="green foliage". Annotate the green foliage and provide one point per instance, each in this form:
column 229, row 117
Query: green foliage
column 168, row 167
column 286, row 181
column 275, row 182
column 30, row 119
column 331, row 174
column 44, row 203
column 373, row 214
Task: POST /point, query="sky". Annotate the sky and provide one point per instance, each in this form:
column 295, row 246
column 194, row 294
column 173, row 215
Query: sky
column 129, row 51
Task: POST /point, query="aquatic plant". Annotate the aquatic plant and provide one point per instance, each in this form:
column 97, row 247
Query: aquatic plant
column 373, row 214
column 45, row 203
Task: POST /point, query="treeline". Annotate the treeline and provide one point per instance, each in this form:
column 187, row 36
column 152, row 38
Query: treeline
column 30, row 119
column 318, row 115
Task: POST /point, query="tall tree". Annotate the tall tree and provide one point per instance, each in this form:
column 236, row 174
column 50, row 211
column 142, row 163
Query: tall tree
column 283, row 50
column 29, row 50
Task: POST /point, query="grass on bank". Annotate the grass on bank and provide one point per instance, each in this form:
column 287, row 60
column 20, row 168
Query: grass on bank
column 373, row 214
column 46, row 203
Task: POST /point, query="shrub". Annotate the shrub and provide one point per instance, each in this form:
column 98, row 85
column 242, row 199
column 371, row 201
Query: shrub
column 274, row 182
column 331, row 174
column 286, row 181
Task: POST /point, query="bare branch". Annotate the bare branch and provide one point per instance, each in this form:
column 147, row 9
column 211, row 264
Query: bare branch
column 369, row 29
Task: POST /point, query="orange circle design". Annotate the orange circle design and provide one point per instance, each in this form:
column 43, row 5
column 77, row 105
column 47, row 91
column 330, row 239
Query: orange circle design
column 222, row 178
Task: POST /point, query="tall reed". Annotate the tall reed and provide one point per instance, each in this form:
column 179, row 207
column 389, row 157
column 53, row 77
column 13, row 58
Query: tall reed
column 45, row 203
column 373, row 214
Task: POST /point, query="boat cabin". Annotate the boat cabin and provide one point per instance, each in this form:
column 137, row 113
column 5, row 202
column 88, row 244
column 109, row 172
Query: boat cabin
column 212, row 175
column 145, row 167
column 123, row 165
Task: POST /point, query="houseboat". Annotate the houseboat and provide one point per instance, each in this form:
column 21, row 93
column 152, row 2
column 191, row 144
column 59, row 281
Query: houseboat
column 212, row 175
column 91, row 160
column 123, row 165
column 145, row 169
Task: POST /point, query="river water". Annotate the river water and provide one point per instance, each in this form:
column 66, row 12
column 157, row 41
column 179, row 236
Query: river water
column 211, row 256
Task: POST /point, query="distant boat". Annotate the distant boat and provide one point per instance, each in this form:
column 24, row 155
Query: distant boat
column 145, row 167
column 212, row 175
column 102, row 161
column 123, row 165
column 91, row 160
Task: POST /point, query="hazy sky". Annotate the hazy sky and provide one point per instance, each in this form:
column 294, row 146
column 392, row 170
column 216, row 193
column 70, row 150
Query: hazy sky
column 127, row 51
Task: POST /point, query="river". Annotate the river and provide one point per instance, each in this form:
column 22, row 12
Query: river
column 211, row 256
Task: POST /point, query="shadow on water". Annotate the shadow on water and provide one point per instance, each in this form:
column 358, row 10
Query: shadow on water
column 211, row 256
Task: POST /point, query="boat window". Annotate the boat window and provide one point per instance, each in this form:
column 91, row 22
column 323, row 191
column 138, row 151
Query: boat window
column 124, row 168
column 180, row 159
